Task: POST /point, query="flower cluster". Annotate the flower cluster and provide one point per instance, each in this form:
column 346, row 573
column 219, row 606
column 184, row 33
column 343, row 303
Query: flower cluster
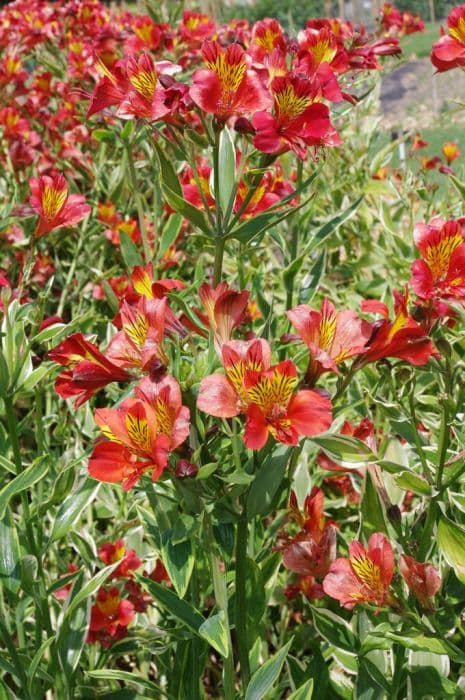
column 397, row 23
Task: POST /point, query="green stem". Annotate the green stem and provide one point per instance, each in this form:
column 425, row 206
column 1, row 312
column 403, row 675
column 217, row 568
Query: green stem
column 221, row 597
column 70, row 275
column 218, row 264
column 416, row 434
column 139, row 206
column 242, row 535
column 399, row 656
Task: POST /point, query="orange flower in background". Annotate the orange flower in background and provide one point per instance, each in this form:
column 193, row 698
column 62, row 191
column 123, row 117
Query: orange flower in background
column 451, row 151
column 418, row 142
column 55, row 207
column 365, row 576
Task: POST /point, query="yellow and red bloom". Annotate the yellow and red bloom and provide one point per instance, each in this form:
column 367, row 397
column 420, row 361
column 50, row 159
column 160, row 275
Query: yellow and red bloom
column 224, row 395
column 451, row 151
column 195, row 27
column 441, row 270
column 111, row 552
column 227, row 86
column 403, row 337
column 89, row 369
column 140, row 433
column 55, row 207
column 418, row 142
column 331, row 336
column 299, row 119
column 449, row 51
column 110, row 617
column 224, row 310
column 363, row 577
column 422, row 579
column 276, row 409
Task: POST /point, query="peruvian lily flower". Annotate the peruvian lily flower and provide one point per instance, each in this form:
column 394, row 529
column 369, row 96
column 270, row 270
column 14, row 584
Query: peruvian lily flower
column 266, row 395
column 140, row 433
column 227, row 86
column 55, row 207
column 363, row 577
column 109, row 618
column 403, row 337
column 88, row 369
column 299, row 118
column 312, row 550
column 140, row 342
column 441, row 270
column 331, row 336
column 224, row 308
column 450, row 151
column 422, row 578
column 449, row 51
column 110, row 553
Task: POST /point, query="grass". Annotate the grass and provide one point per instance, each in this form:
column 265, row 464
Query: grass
column 419, row 44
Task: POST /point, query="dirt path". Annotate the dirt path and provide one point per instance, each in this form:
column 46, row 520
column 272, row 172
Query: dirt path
column 412, row 96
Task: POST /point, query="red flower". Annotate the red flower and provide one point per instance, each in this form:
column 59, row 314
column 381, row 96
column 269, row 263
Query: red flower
column 312, row 550
column 306, row 586
column 89, row 370
column 109, row 617
column 110, row 553
column 403, row 337
column 226, row 396
column 331, row 336
column 275, row 408
column 365, row 576
column 418, row 142
column 299, row 119
column 422, row 578
column 53, row 204
column 195, row 27
column 63, row 593
column 449, row 51
column 441, row 270
column 227, row 86
column 140, row 433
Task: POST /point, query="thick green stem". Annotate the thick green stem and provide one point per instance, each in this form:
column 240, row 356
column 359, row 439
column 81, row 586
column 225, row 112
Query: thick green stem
column 218, row 264
column 139, row 206
column 242, row 535
column 221, row 597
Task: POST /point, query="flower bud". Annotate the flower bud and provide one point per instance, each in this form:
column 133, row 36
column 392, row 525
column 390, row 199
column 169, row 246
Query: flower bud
column 186, row 470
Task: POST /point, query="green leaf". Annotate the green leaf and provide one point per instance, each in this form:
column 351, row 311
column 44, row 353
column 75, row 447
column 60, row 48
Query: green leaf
column 51, row 333
column 215, row 632
column 82, row 593
column 421, row 642
column 342, row 448
column 179, row 608
column 325, row 231
column 23, row 481
column 183, row 207
column 72, row 507
column 428, row 683
column 169, row 234
column 451, row 542
column 227, row 167
column 412, row 482
column 129, row 251
column 312, row 279
column 128, row 677
column 267, row 482
column 179, row 563
column 459, row 186
column 169, row 177
column 35, row 377
column 10, row 572
column 267, row 675
column 260, row 223
column 72, row 632
column 372, row 508
column 335, row 630
column 305, row 692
